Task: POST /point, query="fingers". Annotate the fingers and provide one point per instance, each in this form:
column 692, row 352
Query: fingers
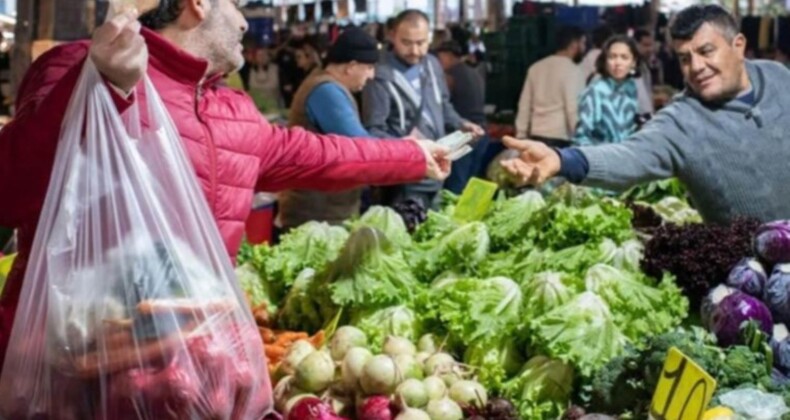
column 515, row 144
column 110, row 30
column 522, row 173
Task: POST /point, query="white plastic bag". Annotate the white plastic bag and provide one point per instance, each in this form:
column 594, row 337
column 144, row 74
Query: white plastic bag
column 129, row 307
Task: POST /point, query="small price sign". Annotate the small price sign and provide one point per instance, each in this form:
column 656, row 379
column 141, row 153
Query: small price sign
column 684, row 389
column 475, row 200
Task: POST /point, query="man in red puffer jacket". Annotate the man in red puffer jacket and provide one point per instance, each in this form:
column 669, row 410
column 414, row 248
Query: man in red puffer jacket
column 185, row 48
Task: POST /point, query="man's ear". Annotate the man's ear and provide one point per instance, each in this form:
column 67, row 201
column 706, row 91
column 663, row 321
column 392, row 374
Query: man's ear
column 195, row 11
column 739, row 43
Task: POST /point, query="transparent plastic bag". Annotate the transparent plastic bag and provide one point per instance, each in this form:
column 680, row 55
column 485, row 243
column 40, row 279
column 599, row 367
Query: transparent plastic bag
column 129, row 307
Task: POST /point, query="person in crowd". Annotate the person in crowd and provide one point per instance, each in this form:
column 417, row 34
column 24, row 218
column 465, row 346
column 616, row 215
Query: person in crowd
column 724, row 137
column 783, row 54
column 289, row 73
column 608, row 106
column 467, row 95
column 409, row 97
column 264, row 82
column 184, row 47
column 325, row 104
column 307, row 61
column 589, row 62
column 548, row 107
column 650, row 71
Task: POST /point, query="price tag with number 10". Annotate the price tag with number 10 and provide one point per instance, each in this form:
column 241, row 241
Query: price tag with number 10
column 684, row 389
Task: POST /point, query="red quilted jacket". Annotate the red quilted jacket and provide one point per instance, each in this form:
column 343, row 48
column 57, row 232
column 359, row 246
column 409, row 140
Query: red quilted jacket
column 233, row 149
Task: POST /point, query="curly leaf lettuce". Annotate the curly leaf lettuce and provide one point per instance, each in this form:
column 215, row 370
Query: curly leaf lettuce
column 542, row 389
column 639, row 309
column 495, row 359
column 546, row 291
column 463, row 249
column 370, row 273
column 300, row 311
column 311, row 245
column 509, row 220
column 471, row 309
column 388, row 221
column 378, row 324
column 560, row 226
column 627, row 256
column 582, row 332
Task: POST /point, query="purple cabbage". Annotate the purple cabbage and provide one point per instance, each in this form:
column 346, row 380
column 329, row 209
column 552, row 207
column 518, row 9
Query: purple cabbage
column 731, row 314
column 711, row 302
column 777, row 293
column 749, row 277
column 772, row 242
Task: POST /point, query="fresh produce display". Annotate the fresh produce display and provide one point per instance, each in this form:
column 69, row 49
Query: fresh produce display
column 345, row 379
column 550, row 305
column 699, row 256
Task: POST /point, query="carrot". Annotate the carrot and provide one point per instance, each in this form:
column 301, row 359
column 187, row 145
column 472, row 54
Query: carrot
column 290, row 336
column 267, row 335
column 318, row 339
column 275, row 353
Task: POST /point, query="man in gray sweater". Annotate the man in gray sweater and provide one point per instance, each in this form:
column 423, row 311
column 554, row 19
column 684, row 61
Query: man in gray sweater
column 409, row 98
column 724, row 137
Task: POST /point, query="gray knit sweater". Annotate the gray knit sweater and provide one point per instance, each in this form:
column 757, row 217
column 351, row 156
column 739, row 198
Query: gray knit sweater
column 734, row 158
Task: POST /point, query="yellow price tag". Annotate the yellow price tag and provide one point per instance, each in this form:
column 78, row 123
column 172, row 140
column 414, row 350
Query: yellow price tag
column 684, row 389
column 475, row 200
column 6, row 263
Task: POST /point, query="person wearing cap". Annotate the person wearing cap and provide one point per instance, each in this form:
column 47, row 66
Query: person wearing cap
column 468, row 96
column 325, row 104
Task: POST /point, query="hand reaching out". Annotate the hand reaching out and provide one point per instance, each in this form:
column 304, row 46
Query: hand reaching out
column 536, row 162
column 437, row 165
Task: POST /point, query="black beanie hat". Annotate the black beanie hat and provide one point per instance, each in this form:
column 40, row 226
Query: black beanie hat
column 354, row 44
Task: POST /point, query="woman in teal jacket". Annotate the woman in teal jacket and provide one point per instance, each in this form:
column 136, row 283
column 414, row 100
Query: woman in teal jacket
column 608, row 108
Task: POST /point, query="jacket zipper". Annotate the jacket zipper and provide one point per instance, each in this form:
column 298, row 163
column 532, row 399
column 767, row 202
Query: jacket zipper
column 212, row 151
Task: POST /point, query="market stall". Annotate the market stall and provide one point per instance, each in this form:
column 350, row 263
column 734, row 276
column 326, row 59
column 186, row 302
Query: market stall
column 549, row 305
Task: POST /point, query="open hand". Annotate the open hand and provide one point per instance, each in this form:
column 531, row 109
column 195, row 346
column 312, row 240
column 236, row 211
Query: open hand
column 436, row 162
column 119, row 51
column 536, row 162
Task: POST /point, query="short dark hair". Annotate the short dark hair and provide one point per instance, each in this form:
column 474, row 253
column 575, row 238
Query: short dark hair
column 600, row 62
column 688, row 21
column 164, row 14
column 641, row 33
column 601, row 34
column 452, row 47
column 410, row 15
column 567, row 35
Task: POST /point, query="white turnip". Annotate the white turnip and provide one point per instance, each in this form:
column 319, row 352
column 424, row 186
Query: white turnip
column 380, row 375
column 428, row 344
column 469, row 393
column 345, row 338
column 316, row 372
column 395, row 346
column 413, row 414
column 353, row 364
column 408, row 366
column 413, row 393
column 444, row 409
column 439, row 363
column 435, row 387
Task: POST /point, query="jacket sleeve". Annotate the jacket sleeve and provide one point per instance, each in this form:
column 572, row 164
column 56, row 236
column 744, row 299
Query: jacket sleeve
column 376, row 108
column 648, row 155
column 524, row 109
column 29, row 141
column 293, row 158
column 587, row 118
